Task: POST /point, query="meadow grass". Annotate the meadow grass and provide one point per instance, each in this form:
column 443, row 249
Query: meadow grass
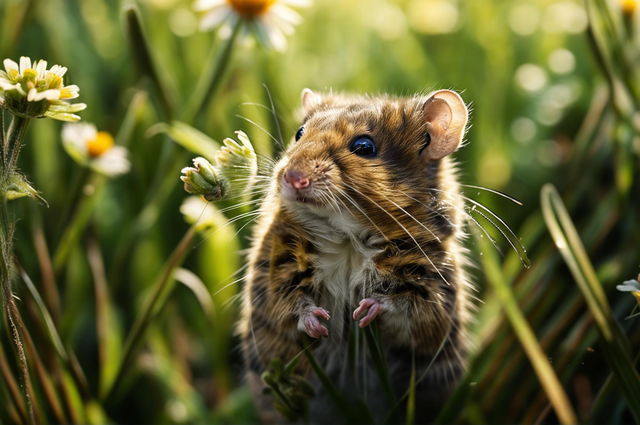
column 122, row 310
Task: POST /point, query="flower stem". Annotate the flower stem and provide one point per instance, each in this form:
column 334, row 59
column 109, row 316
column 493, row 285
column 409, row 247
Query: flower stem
column 10, row 151
column 13, row 145
column 161, row 288
column 212, row 76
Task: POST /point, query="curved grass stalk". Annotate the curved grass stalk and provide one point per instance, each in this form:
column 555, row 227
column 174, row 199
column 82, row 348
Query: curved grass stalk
column 547, row 376
column 614, row 342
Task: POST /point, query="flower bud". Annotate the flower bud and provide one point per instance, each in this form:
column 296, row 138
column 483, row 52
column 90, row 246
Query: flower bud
column 238, row 161
column 204, row 179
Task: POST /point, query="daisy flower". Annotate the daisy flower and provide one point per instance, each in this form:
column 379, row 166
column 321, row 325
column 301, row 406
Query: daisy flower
column 270, row 20
column 628, row 7
column 30, row 90
column 95, row 149
column 632, row 286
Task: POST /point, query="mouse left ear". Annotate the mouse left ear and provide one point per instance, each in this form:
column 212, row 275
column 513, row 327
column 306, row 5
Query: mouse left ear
column 445, row 116
column 309, row 100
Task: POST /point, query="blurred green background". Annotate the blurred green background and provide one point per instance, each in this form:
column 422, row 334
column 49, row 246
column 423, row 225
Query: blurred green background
column 542, row 112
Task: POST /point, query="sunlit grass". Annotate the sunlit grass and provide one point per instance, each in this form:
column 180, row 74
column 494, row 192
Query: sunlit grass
column 124, row 310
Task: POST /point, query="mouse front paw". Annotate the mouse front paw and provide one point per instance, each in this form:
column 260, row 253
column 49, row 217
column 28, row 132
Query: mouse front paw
column 373, row 309
column 309, row 322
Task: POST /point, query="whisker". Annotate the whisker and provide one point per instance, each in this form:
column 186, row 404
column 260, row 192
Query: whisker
column 259, row 127
column 496, row 192
column 406, row 231
column 458, row 209
column 414, row 219
column 508, row 233
column 274, row 115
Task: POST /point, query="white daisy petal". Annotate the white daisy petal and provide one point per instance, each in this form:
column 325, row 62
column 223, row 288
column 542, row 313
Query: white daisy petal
column 58, row 70
column 67, row 107
column 276, row 37
column 41, row 68
column 214, row 18
column 75, row 138
column 10, row 66
column 25, row 63
column 297, row 3
column 62, row 116
column 7, row 86
column 285, row 14
column 202, row 5
column 113, row 162
column 285, row 27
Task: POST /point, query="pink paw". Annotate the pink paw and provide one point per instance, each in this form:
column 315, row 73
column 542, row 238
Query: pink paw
column 310, row 323
column 372, row 307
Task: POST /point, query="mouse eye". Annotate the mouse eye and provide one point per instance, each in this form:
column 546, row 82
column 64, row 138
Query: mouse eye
column 364, row 146
column 299, row 133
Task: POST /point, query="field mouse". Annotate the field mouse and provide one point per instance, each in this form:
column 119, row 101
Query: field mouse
column 362, row 225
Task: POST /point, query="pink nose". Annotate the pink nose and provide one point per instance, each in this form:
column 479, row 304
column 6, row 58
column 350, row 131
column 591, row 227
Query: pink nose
column 296, row 179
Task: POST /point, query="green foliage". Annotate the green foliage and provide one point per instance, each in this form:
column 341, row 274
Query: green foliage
column 124, row 313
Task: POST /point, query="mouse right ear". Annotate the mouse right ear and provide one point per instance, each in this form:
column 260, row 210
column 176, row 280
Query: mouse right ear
column 445, row 116
column 310, row 100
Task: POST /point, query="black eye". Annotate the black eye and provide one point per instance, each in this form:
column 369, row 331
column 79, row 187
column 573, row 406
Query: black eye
column 299, row 133
column 364, row 146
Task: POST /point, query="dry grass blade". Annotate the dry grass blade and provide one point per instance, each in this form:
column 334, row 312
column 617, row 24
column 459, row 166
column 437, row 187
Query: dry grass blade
column 615, row 344
column 12, row 387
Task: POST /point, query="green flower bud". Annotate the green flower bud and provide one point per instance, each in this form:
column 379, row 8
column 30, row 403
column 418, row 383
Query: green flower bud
column 204, row 179
column 238, row 161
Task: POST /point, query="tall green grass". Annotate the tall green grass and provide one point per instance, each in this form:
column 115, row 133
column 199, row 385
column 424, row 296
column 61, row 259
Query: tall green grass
column 125, row 312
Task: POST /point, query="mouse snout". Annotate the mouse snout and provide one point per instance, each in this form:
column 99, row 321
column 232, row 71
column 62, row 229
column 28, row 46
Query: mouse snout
column 296, row 179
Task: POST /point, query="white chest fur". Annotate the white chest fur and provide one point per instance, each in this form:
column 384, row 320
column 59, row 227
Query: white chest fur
column 343, row 264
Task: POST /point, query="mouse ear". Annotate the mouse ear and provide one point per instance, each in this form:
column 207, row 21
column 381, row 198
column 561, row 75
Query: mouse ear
column 445, row 116
column 310, row 100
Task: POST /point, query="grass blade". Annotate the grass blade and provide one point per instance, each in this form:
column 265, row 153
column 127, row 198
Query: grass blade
column 107, row 328
column 411, row 398
column 615, row 344
column 142, row 55
column 154, row 303
column 380, row 363
column 362, row 415
column 12, row 387
column 547, row 376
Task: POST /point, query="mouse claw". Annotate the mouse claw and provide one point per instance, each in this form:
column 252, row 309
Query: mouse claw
column 373, row 309
column 310, row 323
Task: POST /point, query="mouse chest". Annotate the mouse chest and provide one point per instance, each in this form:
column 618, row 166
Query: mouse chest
column 343, row 269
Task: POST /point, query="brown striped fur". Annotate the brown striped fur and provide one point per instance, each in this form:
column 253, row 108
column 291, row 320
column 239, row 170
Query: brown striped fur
column 387, row 228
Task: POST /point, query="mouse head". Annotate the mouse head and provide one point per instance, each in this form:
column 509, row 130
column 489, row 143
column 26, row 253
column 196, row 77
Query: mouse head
column 369, row 154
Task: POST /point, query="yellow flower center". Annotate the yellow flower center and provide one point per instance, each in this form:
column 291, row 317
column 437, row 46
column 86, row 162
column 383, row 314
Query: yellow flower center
column 628, row 6
column 249, row 9
column 636, row 294
column 102, row 143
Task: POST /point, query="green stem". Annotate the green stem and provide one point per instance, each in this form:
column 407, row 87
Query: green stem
column 11, row 149
column 211, row 78
column 73, row 196
column 81, row 217
column 164, row 182
column 12, row 145
column 152, row 307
